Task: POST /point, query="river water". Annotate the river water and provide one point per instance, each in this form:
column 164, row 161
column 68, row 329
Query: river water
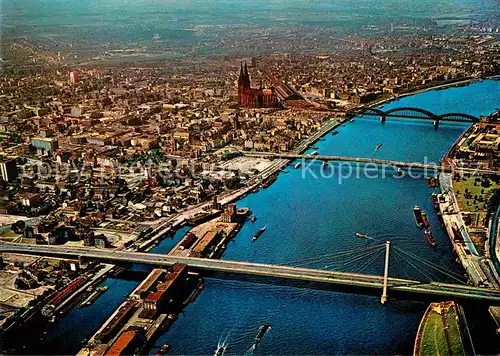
column 308, row 216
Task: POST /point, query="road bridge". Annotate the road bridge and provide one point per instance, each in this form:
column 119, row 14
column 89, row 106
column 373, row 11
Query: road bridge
column 383, row 162
column 327, row 278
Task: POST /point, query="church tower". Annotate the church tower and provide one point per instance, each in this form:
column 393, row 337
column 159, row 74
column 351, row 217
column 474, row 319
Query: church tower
column 243, row 86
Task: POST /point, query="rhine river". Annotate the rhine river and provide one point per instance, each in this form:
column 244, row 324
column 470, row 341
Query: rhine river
column 309, row 216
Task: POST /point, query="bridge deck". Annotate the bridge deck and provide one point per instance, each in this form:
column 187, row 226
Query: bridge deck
column 264, row 270
column 383, row 162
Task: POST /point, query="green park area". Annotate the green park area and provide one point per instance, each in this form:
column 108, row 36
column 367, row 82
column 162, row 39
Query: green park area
column 474, row 193
column 441, row 333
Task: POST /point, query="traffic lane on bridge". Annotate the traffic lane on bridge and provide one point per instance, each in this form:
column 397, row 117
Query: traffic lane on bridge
column 217, row 265
column 269, row 270
column 239, row 266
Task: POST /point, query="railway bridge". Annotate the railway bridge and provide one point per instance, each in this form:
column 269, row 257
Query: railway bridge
column 412, row 113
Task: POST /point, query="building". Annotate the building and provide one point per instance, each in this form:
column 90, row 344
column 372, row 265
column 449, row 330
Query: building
column 30, row 199
column 207, row 243
column 45, row 146
column 253, row 97
column 8, row 170
column 101, row 241
column 125, row 344
column 229, row 214
column 147, row 285
column 119, row 318
column 73, row 77
column 169, row 291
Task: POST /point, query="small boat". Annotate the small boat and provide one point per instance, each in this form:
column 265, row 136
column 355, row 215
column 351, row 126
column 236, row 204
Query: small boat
column 221, row 349
column 165, row 349
column 378, row 146
column 435, row 201
column 315, row 147
column 262, row 331
column 429, row 238
column 286, row 172
column 314, row 153
column 363, row 236
column 433, row 182
column 253, row 218
column 335, row 133
column 352, row 120
column 93, row 296
column 417, row 212
column 298, row 165
column 258, row 233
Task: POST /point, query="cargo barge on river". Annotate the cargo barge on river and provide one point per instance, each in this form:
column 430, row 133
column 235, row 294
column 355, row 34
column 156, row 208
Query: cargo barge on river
column 429, row 238
column 420, row 218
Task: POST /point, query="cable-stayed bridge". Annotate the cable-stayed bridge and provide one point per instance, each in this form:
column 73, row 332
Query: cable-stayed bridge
column 297, row 270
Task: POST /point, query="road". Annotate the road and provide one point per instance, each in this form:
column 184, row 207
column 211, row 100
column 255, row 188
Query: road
column 383, row 162
column 263, row 270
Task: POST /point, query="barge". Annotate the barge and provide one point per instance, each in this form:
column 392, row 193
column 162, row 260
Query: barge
column 429, row 238
column 420, row 218
column 258, row 233
column 262, row 331
column 93, row 296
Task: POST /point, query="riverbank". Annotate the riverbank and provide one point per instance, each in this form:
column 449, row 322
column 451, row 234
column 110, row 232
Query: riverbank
column 490, row 266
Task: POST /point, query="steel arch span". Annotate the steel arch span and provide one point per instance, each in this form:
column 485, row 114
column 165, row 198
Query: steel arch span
column 458, row 117
column 413, row 113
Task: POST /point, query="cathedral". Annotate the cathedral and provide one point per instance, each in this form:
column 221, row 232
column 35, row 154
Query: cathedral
column 253, row 97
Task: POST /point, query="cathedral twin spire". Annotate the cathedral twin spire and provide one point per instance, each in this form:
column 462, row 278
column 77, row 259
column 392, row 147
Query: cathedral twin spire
column 244, row 79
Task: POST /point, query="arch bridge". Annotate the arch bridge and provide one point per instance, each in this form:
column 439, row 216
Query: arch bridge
column 413, row 113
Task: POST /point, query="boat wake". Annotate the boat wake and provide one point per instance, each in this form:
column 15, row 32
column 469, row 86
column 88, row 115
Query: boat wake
column 251, row 350
column 363, row 236
column 222, row 344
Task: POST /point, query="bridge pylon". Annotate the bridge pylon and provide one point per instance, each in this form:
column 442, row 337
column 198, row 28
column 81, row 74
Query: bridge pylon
column 384, row 297
column 436, row 124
